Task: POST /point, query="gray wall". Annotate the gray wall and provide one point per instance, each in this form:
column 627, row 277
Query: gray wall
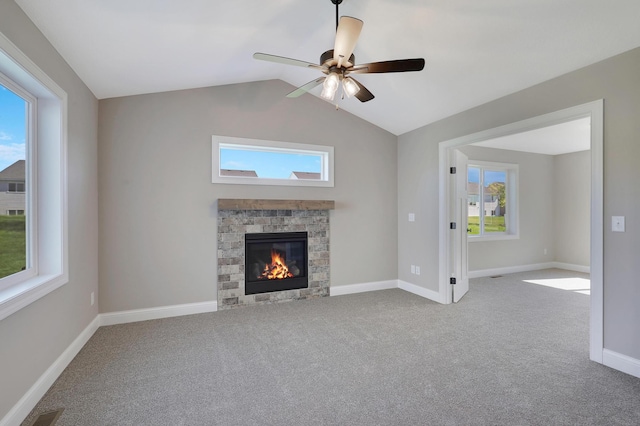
column 34, row 337
column 616, row 81
column 157, row 202
column 536, row 181
column 572, row 203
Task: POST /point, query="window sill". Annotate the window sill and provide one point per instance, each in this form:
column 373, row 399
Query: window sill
column 18, row 296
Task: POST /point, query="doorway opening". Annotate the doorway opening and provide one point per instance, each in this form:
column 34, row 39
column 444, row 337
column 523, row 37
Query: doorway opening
column 450, row 255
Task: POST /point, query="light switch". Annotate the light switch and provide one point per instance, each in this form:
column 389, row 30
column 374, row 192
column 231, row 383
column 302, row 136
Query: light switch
column 412, row 217
column 617, row 223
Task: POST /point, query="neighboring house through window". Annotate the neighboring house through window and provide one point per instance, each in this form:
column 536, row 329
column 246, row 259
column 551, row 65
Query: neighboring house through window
column 12, row 181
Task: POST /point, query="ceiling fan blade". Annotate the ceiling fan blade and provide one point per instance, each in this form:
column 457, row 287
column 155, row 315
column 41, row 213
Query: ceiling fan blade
column 363, row 94
column 286, row 61
column 304, row 89
column 399, row 65
column 346, row 38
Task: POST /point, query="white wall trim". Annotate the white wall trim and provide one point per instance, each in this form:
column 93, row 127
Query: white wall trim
column 23, row 407
column 135, row 315
column 572, row 267
column 421, row 291
column 479, row 273
column 620, row 362
column 342, row 290
column 510, row 270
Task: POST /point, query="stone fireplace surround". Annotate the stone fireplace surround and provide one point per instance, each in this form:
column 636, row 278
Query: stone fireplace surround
column 237, row 217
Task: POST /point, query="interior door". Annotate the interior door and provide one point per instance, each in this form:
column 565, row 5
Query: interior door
column 459, row 202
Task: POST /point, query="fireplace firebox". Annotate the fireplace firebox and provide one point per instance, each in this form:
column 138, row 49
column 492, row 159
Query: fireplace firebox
column 275, row 262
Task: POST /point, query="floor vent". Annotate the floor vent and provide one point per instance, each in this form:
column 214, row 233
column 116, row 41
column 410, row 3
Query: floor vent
column 496, row 276
column 47, row 419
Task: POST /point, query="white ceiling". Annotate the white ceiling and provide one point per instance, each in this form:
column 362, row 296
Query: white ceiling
column 563, row 138
column 475, row 51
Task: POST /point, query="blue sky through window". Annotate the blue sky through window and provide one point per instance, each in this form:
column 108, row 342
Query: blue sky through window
column 271, row 165
column 490, row 176
column 12, row 128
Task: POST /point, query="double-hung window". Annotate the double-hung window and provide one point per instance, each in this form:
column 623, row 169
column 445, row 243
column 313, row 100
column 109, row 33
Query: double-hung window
column 492, row 200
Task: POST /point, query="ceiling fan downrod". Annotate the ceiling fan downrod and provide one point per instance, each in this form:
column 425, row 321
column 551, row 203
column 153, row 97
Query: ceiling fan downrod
column 337, row 3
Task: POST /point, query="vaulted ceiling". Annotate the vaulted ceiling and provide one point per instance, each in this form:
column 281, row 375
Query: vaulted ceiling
column 475, row 51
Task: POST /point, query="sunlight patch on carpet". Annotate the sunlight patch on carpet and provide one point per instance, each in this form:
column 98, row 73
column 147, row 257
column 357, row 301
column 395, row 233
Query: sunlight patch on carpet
column 575, row 284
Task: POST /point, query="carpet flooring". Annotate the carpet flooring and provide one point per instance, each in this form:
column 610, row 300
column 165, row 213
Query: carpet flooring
column 510, row 353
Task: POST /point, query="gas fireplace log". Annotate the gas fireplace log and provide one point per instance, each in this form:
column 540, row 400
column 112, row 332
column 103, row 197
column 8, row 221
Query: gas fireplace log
column 295, row 271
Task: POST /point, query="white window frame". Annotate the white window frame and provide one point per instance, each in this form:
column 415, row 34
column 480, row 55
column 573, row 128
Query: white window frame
column 325, row 153
column 46, row 183
column 511, row 218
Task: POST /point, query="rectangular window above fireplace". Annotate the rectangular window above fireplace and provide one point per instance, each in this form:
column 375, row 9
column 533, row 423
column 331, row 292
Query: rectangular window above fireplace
column 263, row 162
column 275, row 262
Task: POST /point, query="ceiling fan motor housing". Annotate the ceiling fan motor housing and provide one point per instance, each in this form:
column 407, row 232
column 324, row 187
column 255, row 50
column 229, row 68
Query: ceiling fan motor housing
column 327, row 57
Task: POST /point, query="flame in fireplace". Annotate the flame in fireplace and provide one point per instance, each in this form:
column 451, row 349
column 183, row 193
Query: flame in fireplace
column 278, row 269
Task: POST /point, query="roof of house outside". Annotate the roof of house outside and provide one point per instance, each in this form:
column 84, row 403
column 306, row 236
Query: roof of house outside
column 305, row 175
column 240, row 173
column 15, row 172
column 473, row 188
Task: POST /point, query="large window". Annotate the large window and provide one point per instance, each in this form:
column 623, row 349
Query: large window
column 260, row 162
column 33, row 219
column 492, row 200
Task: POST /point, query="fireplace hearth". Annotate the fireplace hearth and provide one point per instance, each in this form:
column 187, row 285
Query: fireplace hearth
column 275, row 262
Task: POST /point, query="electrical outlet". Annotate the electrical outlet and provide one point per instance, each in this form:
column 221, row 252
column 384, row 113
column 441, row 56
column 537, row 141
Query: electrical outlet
column 617, row 223
column 93, row 298
column 545, row 251
column 413, row 269
column 417, row 270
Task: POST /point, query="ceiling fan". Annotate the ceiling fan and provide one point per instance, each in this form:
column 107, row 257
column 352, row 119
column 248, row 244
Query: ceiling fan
column 339, row 63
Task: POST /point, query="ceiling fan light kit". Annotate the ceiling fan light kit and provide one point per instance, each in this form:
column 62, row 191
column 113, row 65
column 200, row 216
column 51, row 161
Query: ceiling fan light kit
column 338, row 63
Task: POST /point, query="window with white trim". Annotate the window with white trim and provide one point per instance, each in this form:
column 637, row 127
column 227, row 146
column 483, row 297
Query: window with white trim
column 261, row 162
column 492, row 200
column 34, row 209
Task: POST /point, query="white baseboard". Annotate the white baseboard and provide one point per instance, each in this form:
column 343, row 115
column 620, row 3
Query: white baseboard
column 510, row 270
column 525, row 268
column 571, row 267
column 384, row 285
column 421, row 291
column 135, row 315
column 341, row 290
column 24, row 406
column 621, row 362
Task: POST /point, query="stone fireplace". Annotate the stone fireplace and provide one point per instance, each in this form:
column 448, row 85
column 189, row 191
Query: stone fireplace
column 278, row 226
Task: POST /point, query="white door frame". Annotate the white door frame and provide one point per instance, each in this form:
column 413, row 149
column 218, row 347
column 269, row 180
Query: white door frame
column 594, row 110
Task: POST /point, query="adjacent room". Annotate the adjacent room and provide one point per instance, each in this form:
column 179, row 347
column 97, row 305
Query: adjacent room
column 319, row 212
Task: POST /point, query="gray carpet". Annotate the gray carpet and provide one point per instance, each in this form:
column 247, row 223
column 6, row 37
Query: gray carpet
column 510, row 353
